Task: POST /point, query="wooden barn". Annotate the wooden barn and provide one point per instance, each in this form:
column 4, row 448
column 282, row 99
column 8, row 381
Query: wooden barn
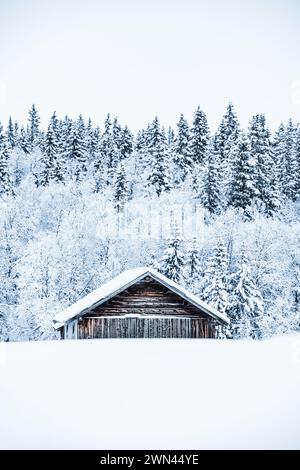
column 140, row 303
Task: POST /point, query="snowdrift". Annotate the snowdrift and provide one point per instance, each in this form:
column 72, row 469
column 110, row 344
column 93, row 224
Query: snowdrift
column 155, row 394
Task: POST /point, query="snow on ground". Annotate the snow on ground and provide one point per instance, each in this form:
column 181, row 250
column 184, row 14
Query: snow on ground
column 155, row 394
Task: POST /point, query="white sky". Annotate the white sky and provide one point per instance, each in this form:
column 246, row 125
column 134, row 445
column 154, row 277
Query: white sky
column 139, row 58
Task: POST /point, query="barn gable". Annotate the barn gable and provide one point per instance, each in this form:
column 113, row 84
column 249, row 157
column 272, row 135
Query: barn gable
column 141, row 291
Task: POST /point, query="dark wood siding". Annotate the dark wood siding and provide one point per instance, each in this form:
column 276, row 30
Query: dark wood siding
column 162, row 314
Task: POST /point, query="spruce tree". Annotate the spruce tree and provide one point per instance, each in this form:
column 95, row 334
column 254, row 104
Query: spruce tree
column 182, row 151
column 158, row 175
column 120, row 188
column 266, row 176
column 297, row 157
column 199, row 137
column 173, row 260
column 193, row 266
column 51, row 170
column 75, row 150
column 212, row 194
column 5, row 184
column 278, row 147
column 243, row 191
column 126, row 143
column 33, row 127
column 11, row 134
column 214, row 282
column 246, row 306
column 290, row 164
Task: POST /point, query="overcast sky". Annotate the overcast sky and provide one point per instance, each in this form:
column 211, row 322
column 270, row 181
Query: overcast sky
column 139, row 58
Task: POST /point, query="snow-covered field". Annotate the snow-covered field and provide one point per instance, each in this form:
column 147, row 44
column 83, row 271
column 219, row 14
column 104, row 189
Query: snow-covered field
column 158, row 394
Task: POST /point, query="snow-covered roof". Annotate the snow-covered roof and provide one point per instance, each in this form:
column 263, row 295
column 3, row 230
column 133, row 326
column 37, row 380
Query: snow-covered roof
column 122, row 282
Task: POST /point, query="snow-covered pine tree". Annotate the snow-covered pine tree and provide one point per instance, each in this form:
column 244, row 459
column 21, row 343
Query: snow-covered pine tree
column 120, row 188
column 297, row 156
column 170, row 137
column 199, row 137
column 278, row 147
column 225, row 142
column 51, row 170
column 182, row 151
column 75, row 151
column 5, row 183
column 261, row 150
column 215, row 279
column 193, row 266
column 158, row 175
column 243, row 192
column 11, row 134
column 33, row 131
column 211, row 193
column 246, row 303
column 290, row 164
column 126, row 141
column 173, row 260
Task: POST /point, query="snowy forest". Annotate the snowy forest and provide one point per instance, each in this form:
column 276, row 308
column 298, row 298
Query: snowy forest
column 217, row 212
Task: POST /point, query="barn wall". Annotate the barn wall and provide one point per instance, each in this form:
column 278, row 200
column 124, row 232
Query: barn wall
column 147, row 298
column 162, row 327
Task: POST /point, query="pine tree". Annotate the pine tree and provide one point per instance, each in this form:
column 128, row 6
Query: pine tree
column 290, row 164
column 297, row 157
column 193, row 265
column 246, row 306
column 75, row 150
column 243, row 191
column 261, row 150
column 158, row 176
column 51, row 170
column 173, row 260
column 120, row 188
column 126, row 143
column 5, row 184
column 199, row 137
column 225, row 141
column 170, row 137
column 212, row 196
column 11, row 134
column 182, row 151
column 214, row 282
column 33, row 127
column 278, row 147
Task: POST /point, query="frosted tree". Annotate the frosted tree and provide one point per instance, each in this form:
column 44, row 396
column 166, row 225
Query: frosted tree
column 172, row 262
column 5, row 184
column 33, row 127
column 75, row 151
column 289, row 162
column 193, row 269
column 261, row 150
column 126, row 147
column 199, row 137
column 120, row 188
column 214, row 282
column 297, row 156
column 278, row 147
column 243, row 191
column 158, row 175
column 182, row 151
column 50, row 159
column 12, row 135
column 246, row 303
column 108, row 150
column 212, row 192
